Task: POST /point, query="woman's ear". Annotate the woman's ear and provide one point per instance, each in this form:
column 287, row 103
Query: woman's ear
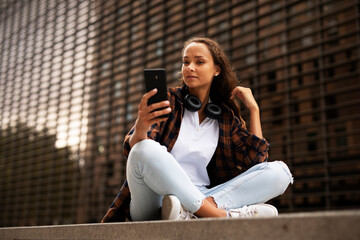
column 217, row 71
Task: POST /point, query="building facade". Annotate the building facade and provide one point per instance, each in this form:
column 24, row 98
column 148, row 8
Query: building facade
column 71, row 77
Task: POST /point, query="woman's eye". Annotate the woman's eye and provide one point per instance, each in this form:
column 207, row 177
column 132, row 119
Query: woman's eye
column 200, row 62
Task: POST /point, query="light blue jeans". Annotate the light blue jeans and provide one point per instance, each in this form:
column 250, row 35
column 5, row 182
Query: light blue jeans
column 152, row 172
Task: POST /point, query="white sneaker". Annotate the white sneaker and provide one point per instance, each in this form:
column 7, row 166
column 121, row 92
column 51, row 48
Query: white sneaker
column 173, row 210
column 256, row 210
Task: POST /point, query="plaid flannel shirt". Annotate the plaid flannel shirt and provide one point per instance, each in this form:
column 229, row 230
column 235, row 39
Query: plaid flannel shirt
column 237, row 150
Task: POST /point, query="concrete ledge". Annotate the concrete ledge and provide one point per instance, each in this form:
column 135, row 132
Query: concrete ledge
column 318, row 225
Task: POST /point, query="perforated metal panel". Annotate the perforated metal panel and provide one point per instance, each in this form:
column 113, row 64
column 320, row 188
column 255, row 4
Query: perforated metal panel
column 71, row 79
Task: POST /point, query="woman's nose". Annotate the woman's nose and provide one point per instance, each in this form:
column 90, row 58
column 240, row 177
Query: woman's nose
column 191, row 67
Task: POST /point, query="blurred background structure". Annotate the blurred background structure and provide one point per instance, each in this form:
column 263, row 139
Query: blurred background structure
column 71, row 77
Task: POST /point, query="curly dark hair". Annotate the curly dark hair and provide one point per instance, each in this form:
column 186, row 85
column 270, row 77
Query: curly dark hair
column 226, row 80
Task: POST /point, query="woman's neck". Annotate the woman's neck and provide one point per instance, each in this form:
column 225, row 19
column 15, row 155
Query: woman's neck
column 202, row 94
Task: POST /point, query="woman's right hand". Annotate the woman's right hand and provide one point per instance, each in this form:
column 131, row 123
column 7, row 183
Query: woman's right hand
column 147, row 116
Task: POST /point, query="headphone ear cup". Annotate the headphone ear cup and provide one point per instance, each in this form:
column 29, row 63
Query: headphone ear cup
column 212, row 111
column 192, row 103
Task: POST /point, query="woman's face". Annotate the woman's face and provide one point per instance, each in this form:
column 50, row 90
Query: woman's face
column 198, row 68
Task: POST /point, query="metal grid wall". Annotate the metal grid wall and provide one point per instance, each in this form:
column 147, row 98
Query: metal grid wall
column 71, row 80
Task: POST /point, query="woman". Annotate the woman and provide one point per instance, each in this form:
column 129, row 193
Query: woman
column 194, row 164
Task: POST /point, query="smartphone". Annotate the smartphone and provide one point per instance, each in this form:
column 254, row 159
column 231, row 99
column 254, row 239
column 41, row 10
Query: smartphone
column 156, row 78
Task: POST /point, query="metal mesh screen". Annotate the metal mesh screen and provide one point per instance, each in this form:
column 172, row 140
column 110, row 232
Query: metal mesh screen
column 71, row 79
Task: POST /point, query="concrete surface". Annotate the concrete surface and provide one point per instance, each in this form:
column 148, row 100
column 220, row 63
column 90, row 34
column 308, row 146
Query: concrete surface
column 342, row 225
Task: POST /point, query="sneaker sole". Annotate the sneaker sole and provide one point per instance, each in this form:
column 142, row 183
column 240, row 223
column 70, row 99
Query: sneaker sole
column 170, row 207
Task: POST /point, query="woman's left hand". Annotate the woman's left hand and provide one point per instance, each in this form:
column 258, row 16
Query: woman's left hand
column 246, row 96
column 249, row 101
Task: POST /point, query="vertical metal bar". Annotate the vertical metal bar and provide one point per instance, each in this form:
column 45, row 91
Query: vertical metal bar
column 289, row 137
column 322, row 83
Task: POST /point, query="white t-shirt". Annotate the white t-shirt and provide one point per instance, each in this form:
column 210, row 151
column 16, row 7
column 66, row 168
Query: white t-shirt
column 195, row 146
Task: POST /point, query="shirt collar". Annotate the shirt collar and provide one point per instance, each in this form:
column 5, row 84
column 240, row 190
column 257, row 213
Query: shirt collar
column 179, row 93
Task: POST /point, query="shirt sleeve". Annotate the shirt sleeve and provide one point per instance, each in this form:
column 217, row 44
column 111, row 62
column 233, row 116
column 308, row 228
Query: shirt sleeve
column 249, row 149
column 119, row 209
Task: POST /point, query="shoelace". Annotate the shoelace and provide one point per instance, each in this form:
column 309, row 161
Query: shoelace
column 244, row 212
column 186, row 215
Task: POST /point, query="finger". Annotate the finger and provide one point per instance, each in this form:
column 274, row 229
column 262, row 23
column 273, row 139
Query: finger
column 158, row 105
column 148, row 114
column 156, row 117
column 146, row 96
column 159, row 119
column 236, row 92
column 233, row 93
column 158, row 113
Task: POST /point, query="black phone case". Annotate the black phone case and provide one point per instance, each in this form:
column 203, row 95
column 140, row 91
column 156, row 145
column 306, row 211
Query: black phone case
column 156, row 78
